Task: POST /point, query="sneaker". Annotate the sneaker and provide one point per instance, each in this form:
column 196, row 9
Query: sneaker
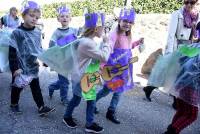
column 44, row 110
column 15, row 109
column 69, row 122
column 94, row 128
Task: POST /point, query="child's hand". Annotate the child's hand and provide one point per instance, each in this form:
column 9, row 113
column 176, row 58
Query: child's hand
column 105, row 39
column 17, row 72
column 141, row 41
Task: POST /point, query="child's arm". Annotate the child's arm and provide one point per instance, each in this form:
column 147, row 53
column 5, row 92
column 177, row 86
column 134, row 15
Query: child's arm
column 100, row 54
column 12, row 54
column 13, row 61
column 137, row 43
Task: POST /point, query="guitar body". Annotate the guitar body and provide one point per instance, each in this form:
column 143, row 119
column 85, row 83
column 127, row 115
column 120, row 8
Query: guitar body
column 89, row 80
column 110, row 72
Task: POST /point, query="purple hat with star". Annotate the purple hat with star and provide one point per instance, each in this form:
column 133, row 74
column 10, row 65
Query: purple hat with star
column 29, row 5
column 127, row 14
column 63, row 9
column 93, row 20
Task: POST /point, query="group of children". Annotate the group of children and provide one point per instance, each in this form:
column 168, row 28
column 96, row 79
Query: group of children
column 115, row 49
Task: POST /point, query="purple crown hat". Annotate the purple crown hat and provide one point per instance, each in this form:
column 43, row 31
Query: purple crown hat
column 93, row 20
column 127, row 14
column 29, row 5
column 63, row 9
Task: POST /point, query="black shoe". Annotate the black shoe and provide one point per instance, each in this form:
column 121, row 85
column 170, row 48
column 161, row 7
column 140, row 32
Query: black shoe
column 148, row 90
column 44, row 110
column 110, row 115
column 94, row 128
column 174, row 105
column 170, row 130
column 15, row 109
column 69, row 122
column 96, row 111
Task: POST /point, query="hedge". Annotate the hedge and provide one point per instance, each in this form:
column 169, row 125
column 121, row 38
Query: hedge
column 141, row 6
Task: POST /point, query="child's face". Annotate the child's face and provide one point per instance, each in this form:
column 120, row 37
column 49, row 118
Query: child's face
column 125, row 25
column 14, row 12
column 99, row 31
column 31, row 18
column 64, row 18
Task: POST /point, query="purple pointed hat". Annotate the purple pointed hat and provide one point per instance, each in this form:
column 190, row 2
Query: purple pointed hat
column 127, row 14
column 29, row 5
column 63, row 9
column 93, row 20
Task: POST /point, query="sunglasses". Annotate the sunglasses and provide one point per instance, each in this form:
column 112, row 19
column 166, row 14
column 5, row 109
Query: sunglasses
column 189, row 2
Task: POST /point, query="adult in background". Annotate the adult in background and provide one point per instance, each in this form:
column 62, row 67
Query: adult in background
column 182, row 30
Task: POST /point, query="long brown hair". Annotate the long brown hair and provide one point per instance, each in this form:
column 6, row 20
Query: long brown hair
column 127, row 33
column 88, row 31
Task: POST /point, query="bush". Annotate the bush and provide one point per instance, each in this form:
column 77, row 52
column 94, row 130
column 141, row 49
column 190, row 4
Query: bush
column 141, row 6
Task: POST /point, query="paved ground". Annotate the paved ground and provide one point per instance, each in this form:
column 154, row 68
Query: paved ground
column 136, row 114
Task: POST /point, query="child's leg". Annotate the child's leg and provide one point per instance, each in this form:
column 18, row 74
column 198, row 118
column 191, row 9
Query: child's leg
column 114, row 101
column 64, row 83
column 15, row 94
column 179, row 111
column 36, row 92
column 90, row 125
column 112, row 108
column 102, row 93
column 90, row 112
column 53, row 86
column 190, row 114
column 74, row 102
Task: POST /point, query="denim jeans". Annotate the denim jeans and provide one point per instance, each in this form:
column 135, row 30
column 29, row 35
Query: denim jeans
column 62, row 83
column 74, row 102
column 115, row 98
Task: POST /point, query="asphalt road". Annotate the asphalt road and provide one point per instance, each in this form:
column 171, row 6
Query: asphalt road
column 136, row 114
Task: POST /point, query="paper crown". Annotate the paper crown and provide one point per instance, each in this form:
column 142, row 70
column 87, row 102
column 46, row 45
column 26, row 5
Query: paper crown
column 93, row 20
column 127, row 14
column 29, row 5
column 63, row 9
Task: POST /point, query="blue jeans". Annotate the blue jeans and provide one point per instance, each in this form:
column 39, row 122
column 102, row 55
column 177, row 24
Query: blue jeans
column 74, row 102
column 115, row 98
column 62, row 83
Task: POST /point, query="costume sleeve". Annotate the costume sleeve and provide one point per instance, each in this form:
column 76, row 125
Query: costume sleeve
column 171, row 39
column 101, row 54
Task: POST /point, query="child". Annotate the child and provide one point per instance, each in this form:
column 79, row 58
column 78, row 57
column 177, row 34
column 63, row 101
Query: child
column 61, row 37
column 187, row 92
column 121, row 42
column 25, row 44
column 88, row 50
column 11, row 20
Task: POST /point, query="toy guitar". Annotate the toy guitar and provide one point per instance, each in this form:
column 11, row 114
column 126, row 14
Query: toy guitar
column 109, row 72
column 89, row 80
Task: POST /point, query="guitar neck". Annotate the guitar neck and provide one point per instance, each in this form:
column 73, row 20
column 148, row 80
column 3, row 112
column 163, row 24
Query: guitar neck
column 134, row 59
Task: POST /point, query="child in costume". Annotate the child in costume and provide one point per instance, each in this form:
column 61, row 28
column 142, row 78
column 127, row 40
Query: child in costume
column 25, row 44
column 61, row 37
column 121, row 41
column 187, row 92
column 10, row 20
column 90, row 54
